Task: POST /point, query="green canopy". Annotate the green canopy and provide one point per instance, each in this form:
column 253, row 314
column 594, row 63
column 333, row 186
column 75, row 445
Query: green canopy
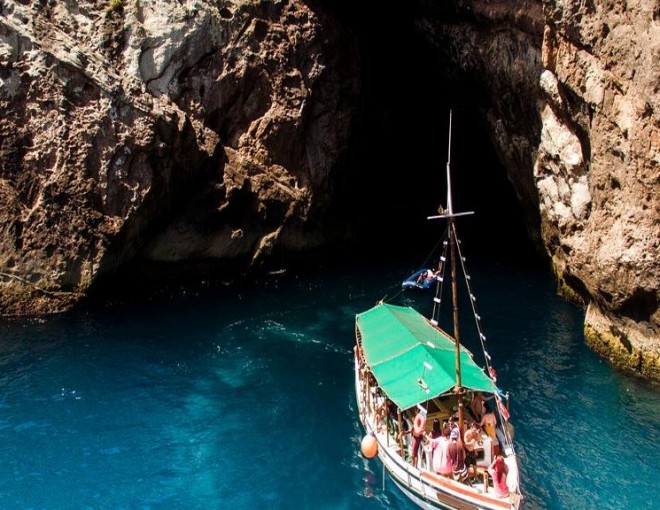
column 400, row 346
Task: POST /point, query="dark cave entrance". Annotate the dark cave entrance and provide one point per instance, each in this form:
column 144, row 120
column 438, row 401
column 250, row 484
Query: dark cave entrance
column 395, row 174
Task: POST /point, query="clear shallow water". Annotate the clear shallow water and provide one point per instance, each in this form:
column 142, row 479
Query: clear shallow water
column 241, row 399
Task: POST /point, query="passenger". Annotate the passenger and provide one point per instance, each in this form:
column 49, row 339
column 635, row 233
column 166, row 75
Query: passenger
column 457, row 458
column 427, row 276
column 446, row 429
column 436, row 431
column 441, row 463
column 489, row 421
column 498, row 470
column 472, row 441
column 477, row 404
column 453, row 424
column 382, row 414
column 417, row 431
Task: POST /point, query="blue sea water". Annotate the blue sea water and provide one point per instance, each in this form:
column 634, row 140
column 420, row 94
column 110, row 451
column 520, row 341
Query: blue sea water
column 242, row 397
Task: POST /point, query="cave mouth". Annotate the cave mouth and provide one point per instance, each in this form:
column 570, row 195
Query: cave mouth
column 395, row 174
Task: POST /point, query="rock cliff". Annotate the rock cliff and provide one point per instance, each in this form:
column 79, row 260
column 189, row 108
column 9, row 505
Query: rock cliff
column 182, row 132
column 597, row 170
column 172, row 132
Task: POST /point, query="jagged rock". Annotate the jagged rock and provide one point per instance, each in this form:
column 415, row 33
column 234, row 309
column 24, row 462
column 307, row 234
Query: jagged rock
column 156, row 130
column 603, row 55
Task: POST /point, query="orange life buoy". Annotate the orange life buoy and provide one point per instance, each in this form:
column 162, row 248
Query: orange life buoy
column 369, row 446
column 419, row 425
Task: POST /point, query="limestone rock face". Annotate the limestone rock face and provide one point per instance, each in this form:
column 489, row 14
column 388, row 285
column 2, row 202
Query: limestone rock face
column 162, row 131
column 598, row 171
column 570, row 90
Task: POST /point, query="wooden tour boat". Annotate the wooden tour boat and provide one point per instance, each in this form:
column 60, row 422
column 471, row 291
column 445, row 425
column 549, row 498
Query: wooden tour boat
column 413, row 378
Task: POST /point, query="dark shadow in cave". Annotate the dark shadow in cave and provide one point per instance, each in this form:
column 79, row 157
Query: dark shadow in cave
column 395, row 175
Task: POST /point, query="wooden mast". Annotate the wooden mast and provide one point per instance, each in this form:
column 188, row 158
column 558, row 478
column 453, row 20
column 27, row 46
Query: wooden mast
column 450, row 215
column 454, row 287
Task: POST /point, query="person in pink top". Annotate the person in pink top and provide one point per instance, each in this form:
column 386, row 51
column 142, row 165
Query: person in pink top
column 441, row 463
column 498, row 470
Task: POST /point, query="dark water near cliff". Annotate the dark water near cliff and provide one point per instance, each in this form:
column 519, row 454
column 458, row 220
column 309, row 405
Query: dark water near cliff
column 243, row 398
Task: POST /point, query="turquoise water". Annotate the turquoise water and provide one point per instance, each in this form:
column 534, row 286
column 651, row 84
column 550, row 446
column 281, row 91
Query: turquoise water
column 242, row 398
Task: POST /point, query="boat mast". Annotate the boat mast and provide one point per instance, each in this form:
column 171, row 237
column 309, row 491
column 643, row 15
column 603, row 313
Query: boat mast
column 450, row 215
column 454, row 287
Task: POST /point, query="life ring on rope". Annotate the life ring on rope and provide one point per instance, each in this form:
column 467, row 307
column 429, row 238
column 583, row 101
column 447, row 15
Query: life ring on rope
column 419, row 425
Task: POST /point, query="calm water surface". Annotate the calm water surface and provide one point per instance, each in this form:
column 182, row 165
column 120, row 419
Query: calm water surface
column 243, row 398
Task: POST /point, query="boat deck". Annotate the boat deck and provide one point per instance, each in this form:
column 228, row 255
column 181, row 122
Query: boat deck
column 425, row 487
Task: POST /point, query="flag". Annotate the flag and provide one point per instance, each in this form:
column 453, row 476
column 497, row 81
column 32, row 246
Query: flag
column 504, row 412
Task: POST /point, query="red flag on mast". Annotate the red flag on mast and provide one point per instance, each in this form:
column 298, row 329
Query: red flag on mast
column 504, row 412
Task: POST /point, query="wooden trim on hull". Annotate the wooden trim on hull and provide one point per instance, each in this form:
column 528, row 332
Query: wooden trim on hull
column 423, row 503
column 444, row 482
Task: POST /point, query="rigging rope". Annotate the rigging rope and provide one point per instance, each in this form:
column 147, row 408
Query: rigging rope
column 435, row 248
column 482, row 337
column 435, row 317
column 424, row 265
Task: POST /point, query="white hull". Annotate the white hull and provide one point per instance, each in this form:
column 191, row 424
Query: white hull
column 427, row 489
